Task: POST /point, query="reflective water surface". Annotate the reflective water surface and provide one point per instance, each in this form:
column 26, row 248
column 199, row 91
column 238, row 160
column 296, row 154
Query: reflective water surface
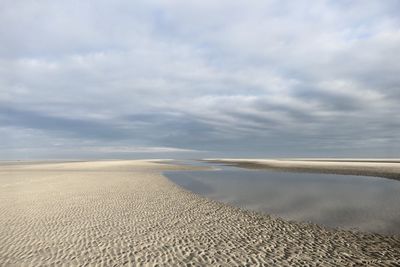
column 345, row 201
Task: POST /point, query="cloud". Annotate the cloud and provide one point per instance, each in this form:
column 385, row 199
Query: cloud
column 125, row 149
column 263, row 78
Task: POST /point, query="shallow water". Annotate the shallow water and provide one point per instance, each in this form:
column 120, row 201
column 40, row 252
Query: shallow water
column 350, row 202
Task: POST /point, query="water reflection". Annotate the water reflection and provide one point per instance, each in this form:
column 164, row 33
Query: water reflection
column 355, row 202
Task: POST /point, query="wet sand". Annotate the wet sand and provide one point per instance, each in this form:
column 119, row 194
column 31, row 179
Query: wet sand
column 128, row 213
column 366, row 167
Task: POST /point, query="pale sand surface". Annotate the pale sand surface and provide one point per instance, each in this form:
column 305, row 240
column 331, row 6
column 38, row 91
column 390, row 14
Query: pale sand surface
column 126, row 212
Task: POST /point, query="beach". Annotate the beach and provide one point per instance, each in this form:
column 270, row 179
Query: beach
column 386, row 168
column 115, row 213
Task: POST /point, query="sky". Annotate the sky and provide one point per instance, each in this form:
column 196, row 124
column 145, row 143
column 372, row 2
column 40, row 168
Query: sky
column 198, row 79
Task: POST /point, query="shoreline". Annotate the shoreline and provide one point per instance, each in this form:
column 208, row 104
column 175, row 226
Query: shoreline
column 376, row 168
column 128, row 213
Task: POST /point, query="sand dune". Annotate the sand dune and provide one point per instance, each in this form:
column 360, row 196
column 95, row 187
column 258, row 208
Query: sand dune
column 127, row 213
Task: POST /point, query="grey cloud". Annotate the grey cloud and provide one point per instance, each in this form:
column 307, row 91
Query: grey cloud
column 76, row 127
column 263, row 78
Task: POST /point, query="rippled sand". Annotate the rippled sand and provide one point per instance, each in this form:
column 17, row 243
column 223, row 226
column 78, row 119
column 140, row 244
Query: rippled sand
column 126, row 212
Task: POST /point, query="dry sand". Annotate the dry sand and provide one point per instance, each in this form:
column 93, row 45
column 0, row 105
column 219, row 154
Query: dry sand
column 126, row 212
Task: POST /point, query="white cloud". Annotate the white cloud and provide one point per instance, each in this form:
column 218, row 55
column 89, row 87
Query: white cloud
column 213, row 74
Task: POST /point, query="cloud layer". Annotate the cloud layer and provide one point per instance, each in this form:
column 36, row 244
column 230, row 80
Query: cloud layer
column 266, row 78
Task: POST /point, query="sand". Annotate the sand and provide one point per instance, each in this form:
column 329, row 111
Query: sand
column 387, row 168
column 126, row 213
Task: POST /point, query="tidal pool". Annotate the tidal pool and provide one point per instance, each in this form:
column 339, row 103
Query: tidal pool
column 363, row 203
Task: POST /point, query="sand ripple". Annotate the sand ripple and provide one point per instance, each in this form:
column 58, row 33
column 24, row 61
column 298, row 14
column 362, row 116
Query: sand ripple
column 127, row 213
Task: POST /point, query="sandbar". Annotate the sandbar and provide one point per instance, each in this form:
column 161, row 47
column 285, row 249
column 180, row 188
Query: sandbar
column 116, row 213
